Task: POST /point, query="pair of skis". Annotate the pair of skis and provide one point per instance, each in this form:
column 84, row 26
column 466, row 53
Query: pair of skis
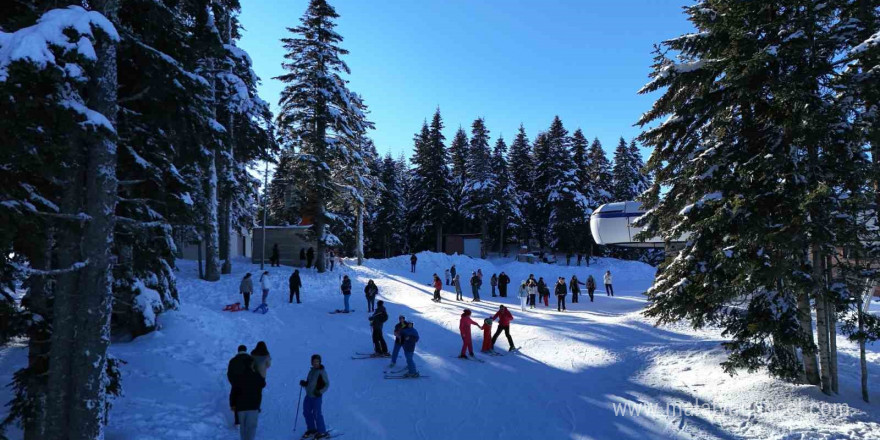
column 340, row 311
column 331, row 433
column 370, row 356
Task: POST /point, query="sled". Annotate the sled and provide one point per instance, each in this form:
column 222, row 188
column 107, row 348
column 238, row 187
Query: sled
column 262, row 308
column 233, row 307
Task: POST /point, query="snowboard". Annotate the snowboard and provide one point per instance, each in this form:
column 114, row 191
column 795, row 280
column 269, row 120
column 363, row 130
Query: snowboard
column 262, row 308
column 340, row 311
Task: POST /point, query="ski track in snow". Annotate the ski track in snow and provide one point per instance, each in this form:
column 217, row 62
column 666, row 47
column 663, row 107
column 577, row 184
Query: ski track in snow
column 572, row 366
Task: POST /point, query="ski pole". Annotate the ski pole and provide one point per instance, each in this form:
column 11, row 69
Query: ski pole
column 296, row 416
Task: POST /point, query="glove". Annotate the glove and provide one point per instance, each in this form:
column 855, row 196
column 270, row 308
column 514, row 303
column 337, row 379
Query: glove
column 303, row 383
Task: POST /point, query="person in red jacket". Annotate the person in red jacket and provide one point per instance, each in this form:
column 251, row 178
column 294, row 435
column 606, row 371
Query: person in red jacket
column 464, row 327
column 487, row 335
column 504, row 317
column 438, row 285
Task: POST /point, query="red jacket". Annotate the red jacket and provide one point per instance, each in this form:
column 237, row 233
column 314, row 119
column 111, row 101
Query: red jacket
column 504, row 317
column 438, row 284
column 464, row 325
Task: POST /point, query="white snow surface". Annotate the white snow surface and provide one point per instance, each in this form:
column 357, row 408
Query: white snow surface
column 573, row 369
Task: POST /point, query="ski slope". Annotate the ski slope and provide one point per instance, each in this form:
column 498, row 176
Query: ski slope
column 574, row 370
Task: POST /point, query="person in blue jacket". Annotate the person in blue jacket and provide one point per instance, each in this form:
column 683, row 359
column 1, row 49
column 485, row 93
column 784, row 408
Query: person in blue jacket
column 316, row 384
column 410, row 336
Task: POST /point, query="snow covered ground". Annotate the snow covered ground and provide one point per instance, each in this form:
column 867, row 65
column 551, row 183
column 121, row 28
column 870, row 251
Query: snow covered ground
column 574, row 378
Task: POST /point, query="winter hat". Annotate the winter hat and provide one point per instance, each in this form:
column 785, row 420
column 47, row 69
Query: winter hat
column 487, row 321
column 242, row 349
column 401, row 317
column 467, row 311
column 316, row 356
column 381, row 303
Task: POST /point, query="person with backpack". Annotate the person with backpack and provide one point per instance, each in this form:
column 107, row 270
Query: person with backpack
column 476, row 282
column 295, row 283
column 561, row 292
column 412, row 263
column 346, row 292
column 398, row 341
column 575, row 289
column 377, row 322
column 265, row 285
column 236, row 369
column 275, row 257
column 532, row 287
column 410, row 336
column 370, row 291
column 262, row 359
column 609, row 289
column 248, row 399
column 438, row 285
column 316, row 384
column 591, row 286
column 504, row 318
column 464, row 328
column 246, row 288
column 494, row 283
column 456, row 282
column 503, row 281
column 523, row 296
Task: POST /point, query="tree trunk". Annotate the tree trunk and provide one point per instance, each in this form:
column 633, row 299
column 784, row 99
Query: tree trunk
column 832, row 346
column 811, row 366
column 38, row 302
column 211, row 227
column 359, row 251
column 863, row 362
column 501, row 236
column 320, row 231
column 439, row 238
column 818, row 276
column 228, row 175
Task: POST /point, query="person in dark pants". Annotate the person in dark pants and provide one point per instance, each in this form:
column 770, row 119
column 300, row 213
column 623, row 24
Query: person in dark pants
column 412, row 263
column 543, row 292
column 438, row 286
column 310, row 256
column 591, row 286
column 452, row 271
column 377, row 321
column 609, row 289
column 494, row 283
column 248, row 399
column 246, row 288
column 332, row 260
column 504, row 317
column 302, row 257
column 346, row 291
column 476, row 282
column 274, row 259
column 370, row 291
column 575, row 289
column 561, row 292
column 503, row 281
column 580, row 258
column 238, row 365
column 410, row 337
column 316, row 384
column 295, row 284
column 401, row 324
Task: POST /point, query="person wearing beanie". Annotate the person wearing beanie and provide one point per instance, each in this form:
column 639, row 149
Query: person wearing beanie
column 398, row 342
column 464, row 327
column 236, row 369
column 316, row 384
column 377, row 322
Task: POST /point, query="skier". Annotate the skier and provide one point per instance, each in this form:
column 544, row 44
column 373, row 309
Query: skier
column 273, row 260
column 246, row 288
column 331, row 258
column 316, row 384
column 456, row 281
column 609, row 289
column 493, row 282
column 310, row 256
column 476, row 282
column 265, row 285
column 487, row 335
column 438, row 285
column 262, row 359
column 412, row 263
column 295, row 284
column 238, row 366
column 398, row 342
column 446, row 272
column 561, row 291
column 532, row 287
column 591, row 286
column 346, row 291
column 371, row 290
column 464, row 327
column 523, row 296
column 575, row 290
column 248, row 398
column 503, row 281
column 302, row 257
column 377, row 321
column 409, row 337
column 504, row 317
column 543, row 292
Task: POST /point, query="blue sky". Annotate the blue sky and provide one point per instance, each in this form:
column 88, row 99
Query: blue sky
column 510, row 62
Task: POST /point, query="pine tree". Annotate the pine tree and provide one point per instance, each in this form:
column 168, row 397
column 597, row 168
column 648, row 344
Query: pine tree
column 567, row 206
column 538, row 210
column 478, row 199
column 458, row 152
column 521, row 168
column 507, row 214
column 599, row 169
column 319, row 113
column 430, row 198
column 389, row 220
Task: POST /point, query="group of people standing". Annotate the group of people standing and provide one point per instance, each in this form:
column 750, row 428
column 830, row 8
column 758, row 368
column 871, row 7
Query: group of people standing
column 267, row 284
column 533, row 291
column 504, row 318
column 453, row 278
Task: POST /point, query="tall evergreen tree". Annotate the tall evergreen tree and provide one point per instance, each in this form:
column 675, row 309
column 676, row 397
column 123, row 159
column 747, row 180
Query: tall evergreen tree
column 599, row 169
column 521, row 168
column 567, row 206
column 430, row 199
column 538, row 210
column 507, row 214
column 478, row 199
column 628, row 180
column 389, row 221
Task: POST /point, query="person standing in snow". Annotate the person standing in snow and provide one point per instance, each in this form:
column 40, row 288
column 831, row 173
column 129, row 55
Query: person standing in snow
column 487, row 335
column 248, row 399
column 235, row 371
column 503, row 281
column 265, row 285
column 452, row 271
column 609, row 289
column 412, row 262
column 575, row 289
column 310, row 256
column 346, row 291
column 446, row 272
column 409, row 337
column 370, row 291
column 480, row 274
column 246, row 288
column 523, row 296
column 295, row 283
column 331, row 259
column 302, row 257
column 561, row 291
column 316, row 384
column 504, row 318
column 532, row 287
column 377, row 322
column 438, row 286
column 543, row 292
column 531, row 301
column 580, row 258
column 464, row 328
column 493, row 282
column 456, row 281
column 476, row 282
column 274, row 259
column 398, row 342
column 262, row 359
column 591, row 286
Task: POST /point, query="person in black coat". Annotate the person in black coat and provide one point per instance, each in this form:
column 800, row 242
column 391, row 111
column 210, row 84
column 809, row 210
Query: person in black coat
column 238, row 365
column 295, row 284
column 503, row 281
column 310, row 256
column 377, row 321
column 276, row 256
column 302, row 257
column 561, row 292
column 248, row 400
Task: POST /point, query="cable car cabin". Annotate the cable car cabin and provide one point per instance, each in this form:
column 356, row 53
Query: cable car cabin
column 612, row 225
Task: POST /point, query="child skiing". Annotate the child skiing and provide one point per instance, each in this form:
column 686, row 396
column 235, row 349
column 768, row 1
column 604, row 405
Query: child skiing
column 410, row 336
column 438, row 285
column 487, row 335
